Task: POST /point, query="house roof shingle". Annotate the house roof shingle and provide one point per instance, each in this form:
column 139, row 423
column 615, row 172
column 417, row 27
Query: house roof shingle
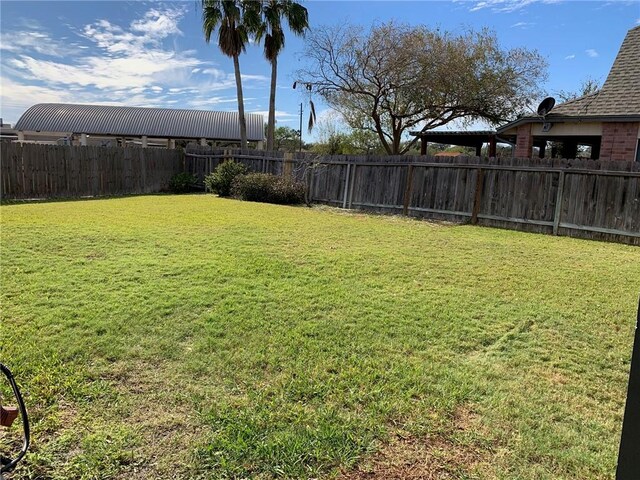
column 618, row 97
column 620, row 94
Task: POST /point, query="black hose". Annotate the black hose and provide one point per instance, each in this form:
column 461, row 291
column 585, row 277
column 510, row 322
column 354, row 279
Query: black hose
column 25, row 421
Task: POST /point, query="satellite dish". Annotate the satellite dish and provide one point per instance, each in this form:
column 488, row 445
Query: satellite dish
column 545, row 106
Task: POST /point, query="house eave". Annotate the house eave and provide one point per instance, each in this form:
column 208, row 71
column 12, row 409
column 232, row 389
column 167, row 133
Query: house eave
column 569, row 118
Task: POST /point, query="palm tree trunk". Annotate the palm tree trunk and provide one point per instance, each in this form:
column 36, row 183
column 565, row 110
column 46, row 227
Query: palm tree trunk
column 243, row 122
column 271, row 126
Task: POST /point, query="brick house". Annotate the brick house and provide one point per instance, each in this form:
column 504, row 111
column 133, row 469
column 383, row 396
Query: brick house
column 607, row 121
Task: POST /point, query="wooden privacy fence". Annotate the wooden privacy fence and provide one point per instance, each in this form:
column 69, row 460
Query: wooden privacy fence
column 586, row 198
column 48, row 171
column 583, row 198
column 201, row 161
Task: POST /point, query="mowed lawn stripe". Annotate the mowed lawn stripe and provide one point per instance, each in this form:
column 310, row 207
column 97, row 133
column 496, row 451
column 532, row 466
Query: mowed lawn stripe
column 213, row 337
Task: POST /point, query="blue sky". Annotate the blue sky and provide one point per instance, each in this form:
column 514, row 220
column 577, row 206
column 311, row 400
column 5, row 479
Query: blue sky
column 154, row 54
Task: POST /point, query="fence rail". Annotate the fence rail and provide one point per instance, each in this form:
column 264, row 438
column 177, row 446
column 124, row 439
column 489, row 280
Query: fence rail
column 47, row 171
column 583, row 198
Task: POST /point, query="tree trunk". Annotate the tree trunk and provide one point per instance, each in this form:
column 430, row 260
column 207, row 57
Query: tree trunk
column 397, row 138
column 380, row 132
column 243, row 122
column 271, row 125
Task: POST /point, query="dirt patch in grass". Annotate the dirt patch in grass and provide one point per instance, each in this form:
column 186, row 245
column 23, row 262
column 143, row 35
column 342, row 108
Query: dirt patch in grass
column 163, row 419
column 447, row 455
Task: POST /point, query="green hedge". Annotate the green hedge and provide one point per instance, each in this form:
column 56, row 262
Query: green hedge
column 182, row 183
column 221, row 179
column 262, row 187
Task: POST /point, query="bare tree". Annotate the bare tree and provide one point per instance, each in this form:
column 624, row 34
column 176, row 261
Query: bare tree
column 588, row 86
column 394, row 78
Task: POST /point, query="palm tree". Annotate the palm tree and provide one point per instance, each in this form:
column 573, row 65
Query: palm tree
column 273, row 11
column 226, row 16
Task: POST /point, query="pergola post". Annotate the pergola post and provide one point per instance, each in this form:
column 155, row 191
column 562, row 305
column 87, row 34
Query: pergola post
column 21, row 136
column 569, row 149
column 542, row 150
column 595, row 151
column 478, row 149
column 203, row 142
column 423, row 146
column 492, row 146
column 172, row 144
column 83, row 139
column 144, row 141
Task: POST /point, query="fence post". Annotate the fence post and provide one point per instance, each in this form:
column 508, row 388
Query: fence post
column 629, row 453
column 143, row 169
column 353, row 182
column 22, row 169
column 478, row 196
column 558, row 209
column 287, row 165
column 309, row 175
column 408, row 191
column 346, row 186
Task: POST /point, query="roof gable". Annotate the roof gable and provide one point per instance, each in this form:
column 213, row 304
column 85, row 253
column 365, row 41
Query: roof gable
column 620, row 94
column 619, row 97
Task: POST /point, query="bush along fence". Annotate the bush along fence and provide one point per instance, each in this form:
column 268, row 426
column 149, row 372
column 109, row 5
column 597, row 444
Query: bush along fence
column 31, row 171
column 581, row 198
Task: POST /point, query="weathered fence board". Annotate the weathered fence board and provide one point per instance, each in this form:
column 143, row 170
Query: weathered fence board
column 48, row 171
column 583, row 198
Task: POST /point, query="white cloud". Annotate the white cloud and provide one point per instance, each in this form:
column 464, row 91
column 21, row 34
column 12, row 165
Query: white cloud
column 149, row 31
column 570, row 57
column 592, row 53
column 522, row 25
column 121, row 59
column 35, row 41
column 279, row 113
column 105, row 72
column 281, row 116
column 506, row 6
column 159, row 24
column 258, row 78
column 204, row 102
column 125, row 65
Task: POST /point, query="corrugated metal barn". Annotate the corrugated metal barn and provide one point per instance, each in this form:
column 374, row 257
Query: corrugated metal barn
column 110, row 125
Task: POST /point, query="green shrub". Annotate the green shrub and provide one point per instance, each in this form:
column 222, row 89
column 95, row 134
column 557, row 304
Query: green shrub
column 182, row 182
column 221, row 179
column 262, row 187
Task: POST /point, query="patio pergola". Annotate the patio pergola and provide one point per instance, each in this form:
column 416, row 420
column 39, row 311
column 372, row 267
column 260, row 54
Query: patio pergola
column 475, row 139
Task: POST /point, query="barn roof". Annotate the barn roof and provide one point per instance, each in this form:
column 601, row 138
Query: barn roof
column 138, row 121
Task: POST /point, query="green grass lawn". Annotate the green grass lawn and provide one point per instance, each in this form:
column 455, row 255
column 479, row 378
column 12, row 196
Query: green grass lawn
column 211, row 338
